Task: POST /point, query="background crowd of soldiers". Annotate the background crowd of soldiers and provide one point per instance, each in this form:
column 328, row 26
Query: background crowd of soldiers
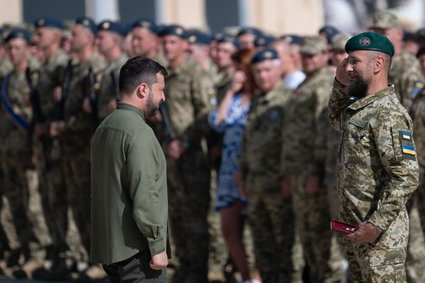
column 58, row 84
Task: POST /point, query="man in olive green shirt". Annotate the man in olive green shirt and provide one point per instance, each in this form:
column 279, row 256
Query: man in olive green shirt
column 129, row 205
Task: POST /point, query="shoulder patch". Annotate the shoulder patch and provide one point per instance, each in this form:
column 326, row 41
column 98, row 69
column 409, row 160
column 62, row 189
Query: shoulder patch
column 417, row 87
column 407, row 148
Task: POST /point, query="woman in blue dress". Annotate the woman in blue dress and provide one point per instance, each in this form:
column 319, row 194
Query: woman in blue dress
column 230, row 119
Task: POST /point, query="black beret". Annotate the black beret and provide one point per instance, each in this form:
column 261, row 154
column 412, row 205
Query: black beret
column 263, row 40
column 370, row 41
column 292, row 39
column 329, row 31
column 176, row 30
column 18, row 33
column 145, row 23
column 249, row 30
column 230, row 39
column 49, row 22
column 87, row 23
column 264, row 54
column 112, row 26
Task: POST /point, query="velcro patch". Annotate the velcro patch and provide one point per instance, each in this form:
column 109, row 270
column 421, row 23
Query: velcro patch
column 407, row 148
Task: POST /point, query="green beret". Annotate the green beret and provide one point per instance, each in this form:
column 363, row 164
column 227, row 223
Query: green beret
column 370, row 41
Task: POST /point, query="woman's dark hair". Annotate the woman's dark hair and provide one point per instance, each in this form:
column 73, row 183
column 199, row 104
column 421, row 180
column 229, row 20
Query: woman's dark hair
column 139, row 70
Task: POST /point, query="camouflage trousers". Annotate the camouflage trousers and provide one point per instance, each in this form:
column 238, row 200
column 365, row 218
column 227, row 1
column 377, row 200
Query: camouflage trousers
column 189, row 200
column 368, row 265
column 273, row 230
column 54, row 199
column 415, row 262
column 420, row 193
column 77, row 179
column 319, row 244
column 15, row 188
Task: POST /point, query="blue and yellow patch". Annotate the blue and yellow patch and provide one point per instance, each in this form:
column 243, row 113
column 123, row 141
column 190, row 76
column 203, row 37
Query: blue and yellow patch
column 419, row 85
column 407, row 148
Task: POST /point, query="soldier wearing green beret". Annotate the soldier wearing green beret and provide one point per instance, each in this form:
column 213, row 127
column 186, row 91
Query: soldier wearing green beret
column 407, row 78
column 378, row 168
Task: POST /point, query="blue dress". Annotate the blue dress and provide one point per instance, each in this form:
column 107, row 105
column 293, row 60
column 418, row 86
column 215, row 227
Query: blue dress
column 233, row 127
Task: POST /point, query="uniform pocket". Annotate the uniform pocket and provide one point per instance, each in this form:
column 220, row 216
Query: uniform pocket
column 379, row 257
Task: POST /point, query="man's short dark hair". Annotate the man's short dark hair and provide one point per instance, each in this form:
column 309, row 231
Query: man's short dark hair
column 139, row 70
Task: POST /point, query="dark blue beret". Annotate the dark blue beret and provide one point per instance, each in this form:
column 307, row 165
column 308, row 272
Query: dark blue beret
column 199, row 37
column 18, row 33
column 230, row 39
column 264, row 54
column 370, row 41
column 292, row 38
column 176, row 30
column 330, row 32
column 112, row 26
column 145, row 23
column 87, row 23
column 49, row 22
column 249, row 30
column 264, row 40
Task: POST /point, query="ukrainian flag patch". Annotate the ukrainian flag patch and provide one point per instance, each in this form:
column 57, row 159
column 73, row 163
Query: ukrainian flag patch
column 407, row 148
column 406, row 135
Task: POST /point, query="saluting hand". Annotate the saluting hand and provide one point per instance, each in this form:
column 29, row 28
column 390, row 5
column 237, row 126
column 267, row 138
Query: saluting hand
column 342, row 73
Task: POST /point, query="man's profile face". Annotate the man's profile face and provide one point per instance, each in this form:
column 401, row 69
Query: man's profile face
column 156, row 95
column 360, row 72
column 143, row 41
column 105, row 41
column 18, row 51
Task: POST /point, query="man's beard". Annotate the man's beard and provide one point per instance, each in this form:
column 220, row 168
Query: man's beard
column 358, row 88
column 151, row 108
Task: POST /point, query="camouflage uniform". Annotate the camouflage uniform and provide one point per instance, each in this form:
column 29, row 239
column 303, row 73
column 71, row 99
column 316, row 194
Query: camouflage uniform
column 187, row 92
column 15, row 156
column 303, row 155
column 74, row 141
column 270, row 215
column 52, row 188
column 109, row 88
column 377, row 174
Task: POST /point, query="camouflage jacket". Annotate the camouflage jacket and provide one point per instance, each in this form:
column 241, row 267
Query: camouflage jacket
column 378, row 169
column 15, row 140
column 302, row 124
column 188, row 90
column 405, row 74
column 223, row 83
column 109, row 88
column 50, row 76
column 417, row 112
column 261, row 145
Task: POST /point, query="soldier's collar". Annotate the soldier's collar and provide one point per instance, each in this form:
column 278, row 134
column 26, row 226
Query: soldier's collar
column 371, row 98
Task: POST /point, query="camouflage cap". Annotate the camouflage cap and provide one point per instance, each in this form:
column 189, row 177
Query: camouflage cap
column 264, row 54
column 385, row 20
column 338, row 41
column 370, row 41
column 313, row 44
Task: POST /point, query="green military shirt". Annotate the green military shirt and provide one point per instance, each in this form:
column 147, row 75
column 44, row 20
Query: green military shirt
column 261, row 145
column 109, row 88
column 378, row 166
column 129, row 202
column 188, row 91
column 404, row 74
column 302, row 124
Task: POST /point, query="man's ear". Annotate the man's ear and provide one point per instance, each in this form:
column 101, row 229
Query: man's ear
column 142, row 90
column 378, row 64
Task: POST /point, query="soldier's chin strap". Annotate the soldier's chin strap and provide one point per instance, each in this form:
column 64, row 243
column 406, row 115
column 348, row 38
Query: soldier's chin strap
column 5, row 102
